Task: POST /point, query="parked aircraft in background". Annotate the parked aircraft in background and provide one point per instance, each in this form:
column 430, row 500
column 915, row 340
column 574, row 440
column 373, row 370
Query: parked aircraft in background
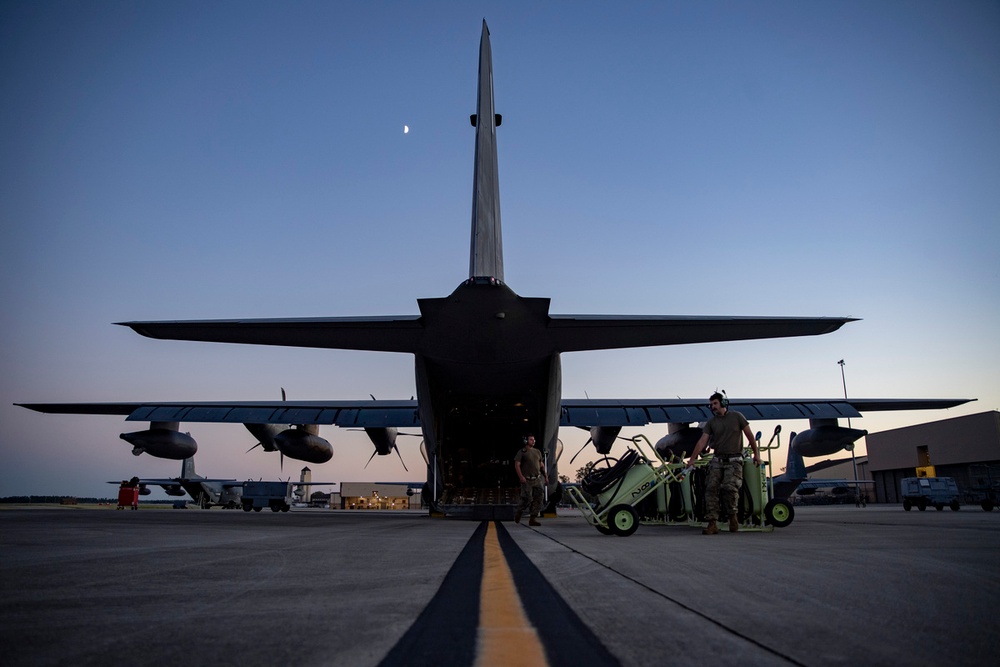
column 796, row 478
column 204, row 491
column 488, row 368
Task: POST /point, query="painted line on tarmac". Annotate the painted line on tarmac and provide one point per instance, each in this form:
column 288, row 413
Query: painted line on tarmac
column 495, row 607
column 680, row 604
column 567, row 640
column 505, row 636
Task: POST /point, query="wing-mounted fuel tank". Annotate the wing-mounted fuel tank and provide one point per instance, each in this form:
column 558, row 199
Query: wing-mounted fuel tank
column 680, row 440
column 162, row 440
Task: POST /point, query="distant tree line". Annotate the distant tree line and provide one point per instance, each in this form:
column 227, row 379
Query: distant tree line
column 53, row 499
column 58, row 500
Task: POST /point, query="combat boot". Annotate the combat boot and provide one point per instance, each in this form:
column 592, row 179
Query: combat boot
column 710, row 529
column 517, row 516
column 734, row 524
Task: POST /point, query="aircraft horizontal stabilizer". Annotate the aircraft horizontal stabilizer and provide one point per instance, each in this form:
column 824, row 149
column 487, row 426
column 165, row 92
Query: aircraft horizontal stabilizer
column 376, row 334
column 576, row 333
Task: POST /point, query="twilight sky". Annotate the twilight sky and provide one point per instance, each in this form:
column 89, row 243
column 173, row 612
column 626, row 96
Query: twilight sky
column 186, row 160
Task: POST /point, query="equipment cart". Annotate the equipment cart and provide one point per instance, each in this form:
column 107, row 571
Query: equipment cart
column 128, row 496
column 647, row 489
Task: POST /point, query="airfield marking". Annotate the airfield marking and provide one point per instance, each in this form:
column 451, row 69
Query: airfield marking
column 505, row 635
column 495, row 607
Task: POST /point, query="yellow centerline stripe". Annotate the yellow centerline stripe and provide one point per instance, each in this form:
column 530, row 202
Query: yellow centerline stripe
column 505, row 636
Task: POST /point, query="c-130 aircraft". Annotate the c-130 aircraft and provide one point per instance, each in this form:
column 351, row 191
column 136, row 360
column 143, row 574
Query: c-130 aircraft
column 487, row 365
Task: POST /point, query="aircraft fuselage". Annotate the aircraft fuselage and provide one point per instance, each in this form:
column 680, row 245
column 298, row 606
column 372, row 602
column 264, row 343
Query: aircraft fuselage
column 487, row 376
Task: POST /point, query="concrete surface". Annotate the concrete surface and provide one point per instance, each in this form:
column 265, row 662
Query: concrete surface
column 839, row 586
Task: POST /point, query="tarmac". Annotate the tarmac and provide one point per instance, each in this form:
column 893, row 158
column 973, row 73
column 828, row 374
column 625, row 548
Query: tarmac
column 840, row 585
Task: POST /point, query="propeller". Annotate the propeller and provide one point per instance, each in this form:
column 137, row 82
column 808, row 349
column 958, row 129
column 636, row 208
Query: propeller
column 591, row 439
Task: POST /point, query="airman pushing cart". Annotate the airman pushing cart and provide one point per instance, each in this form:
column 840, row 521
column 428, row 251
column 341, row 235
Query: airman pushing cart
column 642, row 487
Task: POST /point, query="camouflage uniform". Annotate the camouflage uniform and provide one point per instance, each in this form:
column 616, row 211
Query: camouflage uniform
column 726, row 476
column 725, row 470
column 532, row 491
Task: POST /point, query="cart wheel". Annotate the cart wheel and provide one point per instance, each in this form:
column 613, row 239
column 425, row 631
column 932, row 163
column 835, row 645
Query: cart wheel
column 778, row 513
column 922, row 504
column 604, row 530
column 954, row 506
column 257, row 509
column 907, row 505
column 939, row 507
column 987, row 505
column 623, row 520
column 247, row 508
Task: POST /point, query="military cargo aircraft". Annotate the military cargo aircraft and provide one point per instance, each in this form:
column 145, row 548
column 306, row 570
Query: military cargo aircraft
column 487, row 368
column 204, row 491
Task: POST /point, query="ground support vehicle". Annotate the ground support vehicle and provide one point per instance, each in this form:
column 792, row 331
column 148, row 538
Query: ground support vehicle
column 985, row 488
column 924, row 492
column 641, row 489
column 275, row 495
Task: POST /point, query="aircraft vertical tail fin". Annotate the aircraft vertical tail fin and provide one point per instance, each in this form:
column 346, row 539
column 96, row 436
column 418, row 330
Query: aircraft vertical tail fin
column 187, row 468
column 795, row 466
column 487, row 247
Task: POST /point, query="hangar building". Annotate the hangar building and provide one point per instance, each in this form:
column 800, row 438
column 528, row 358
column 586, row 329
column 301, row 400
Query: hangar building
column 379, row 496
column 965, row 448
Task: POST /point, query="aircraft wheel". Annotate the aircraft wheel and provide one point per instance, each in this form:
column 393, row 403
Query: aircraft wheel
column 623, row 520
column 778, row 513
column 604, row 530
column 907, row 505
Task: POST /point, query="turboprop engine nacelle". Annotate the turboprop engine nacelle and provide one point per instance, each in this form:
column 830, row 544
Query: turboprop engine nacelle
column 304, row 444
column 679, row 440
column 163, row 441
column 384, row 439
column 172, row 490
column 604, row 437
column 825, row 437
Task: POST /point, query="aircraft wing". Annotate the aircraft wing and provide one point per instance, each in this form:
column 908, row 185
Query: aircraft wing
column 377, row 334
column 575, row 333
column 175, row 481
column 832, row 483
column 347, row 414
column 404, row 414
column 638, row 412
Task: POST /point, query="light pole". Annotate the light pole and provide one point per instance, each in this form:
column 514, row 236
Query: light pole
column 854, row 460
